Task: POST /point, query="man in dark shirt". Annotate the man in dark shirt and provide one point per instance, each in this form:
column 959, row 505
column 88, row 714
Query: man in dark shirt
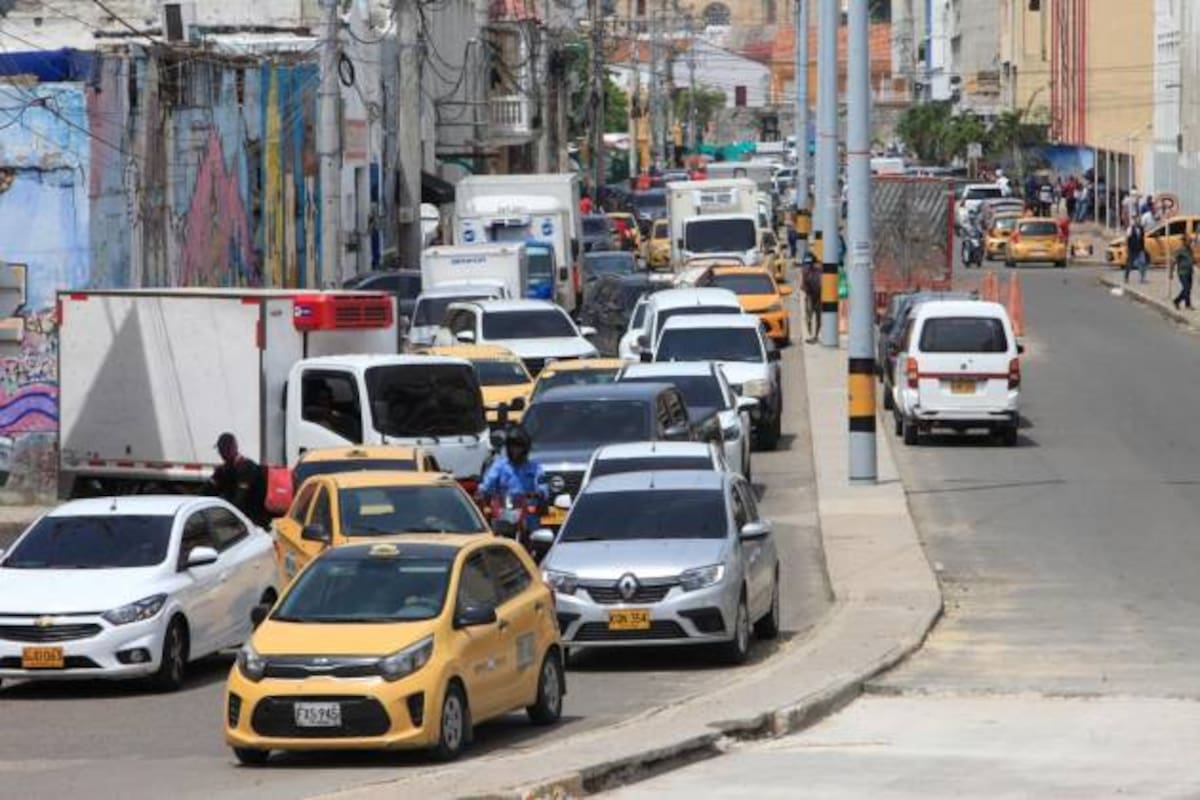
column 240, row 481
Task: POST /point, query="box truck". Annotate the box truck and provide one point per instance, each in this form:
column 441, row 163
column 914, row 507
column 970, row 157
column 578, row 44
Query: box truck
column 714, row 220
column 477, row 263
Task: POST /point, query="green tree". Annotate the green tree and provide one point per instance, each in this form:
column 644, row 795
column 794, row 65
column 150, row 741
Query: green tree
column 616, row 107
column 709, row 103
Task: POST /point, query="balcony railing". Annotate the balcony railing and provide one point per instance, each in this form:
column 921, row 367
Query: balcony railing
column 511, row 118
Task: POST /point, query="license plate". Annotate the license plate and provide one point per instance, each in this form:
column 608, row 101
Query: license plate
column 629, row 619
column 962, row 387
column 42, row 658
column 318, row 715
column 554, row 517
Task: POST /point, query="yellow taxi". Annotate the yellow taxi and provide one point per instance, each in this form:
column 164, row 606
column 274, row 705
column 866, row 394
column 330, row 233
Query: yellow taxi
column 577, row 372
column 403, row 643
column 658, row 246
column 502, row 376
column 1163, row 241
column 629, row 222
column 758, row 293
column 1034, row 240
column 996, row 239
column 342, row 508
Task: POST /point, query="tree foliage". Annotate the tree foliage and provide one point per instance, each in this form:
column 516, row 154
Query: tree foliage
column 709, row 102
column 937, row 135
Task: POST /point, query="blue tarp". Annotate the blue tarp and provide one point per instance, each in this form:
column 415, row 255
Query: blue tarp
column 48, row 66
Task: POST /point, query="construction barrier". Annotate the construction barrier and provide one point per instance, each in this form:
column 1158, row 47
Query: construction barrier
column 1016, row 304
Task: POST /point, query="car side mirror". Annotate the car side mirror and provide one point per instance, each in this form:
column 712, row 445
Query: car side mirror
column 563, row 502
column 752, row 531
column 774, row 355
column 516, row 404
column 503, row 527
column 646, row 357
column 747, row 403
column 474, row 616
column 497, row 440
column 201, row 557
column 542, row 536
column 1020, row 349
column 465, row 337
column 643, row 341
column 587, row 331
column 785, row 290
column 258, row 614
column 677, row 433
column 315, row 533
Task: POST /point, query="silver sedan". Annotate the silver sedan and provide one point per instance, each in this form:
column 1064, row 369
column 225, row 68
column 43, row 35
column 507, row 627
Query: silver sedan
column 665, row 558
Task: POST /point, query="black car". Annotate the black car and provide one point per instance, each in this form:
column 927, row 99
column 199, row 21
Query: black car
column 648, row 206
column 608, row 303
column 405, row 284
column 597, row 232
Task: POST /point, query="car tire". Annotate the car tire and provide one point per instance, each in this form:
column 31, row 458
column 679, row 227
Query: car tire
column 908, row 428
column 454, row 724
column 737, row 649
column 888, row 401
column 251, row 756
column 173, row 665
column 547, row 708
column 768, row 626
column 1060, row 265
column 1008, row 435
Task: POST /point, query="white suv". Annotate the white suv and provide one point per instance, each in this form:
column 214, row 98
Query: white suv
column 538, row 331
column 959, row 367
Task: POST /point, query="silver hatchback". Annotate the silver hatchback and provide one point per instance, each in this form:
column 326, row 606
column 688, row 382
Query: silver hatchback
column 665, row 558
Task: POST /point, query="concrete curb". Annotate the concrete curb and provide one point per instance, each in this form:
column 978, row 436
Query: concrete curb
column 1161, row 306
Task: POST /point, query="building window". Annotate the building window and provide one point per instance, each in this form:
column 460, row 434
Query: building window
column 769, row 11
column 739, row 96
column 716, row 15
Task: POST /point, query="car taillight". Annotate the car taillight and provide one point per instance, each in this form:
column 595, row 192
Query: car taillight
column 910, row 368
column 1014, row 373
column 1014, row 237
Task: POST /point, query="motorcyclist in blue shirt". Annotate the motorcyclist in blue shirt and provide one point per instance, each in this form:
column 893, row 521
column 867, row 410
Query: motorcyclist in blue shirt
column 513, row 475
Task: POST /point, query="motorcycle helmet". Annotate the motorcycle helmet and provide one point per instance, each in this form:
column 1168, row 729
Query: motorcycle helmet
column 517, row 444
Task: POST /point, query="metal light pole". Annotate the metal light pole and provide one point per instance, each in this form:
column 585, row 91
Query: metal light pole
column 827, row 167
column 861, row 379
column 803, row 220
column 328, row 149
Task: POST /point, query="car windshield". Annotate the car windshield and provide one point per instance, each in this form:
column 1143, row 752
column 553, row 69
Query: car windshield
column 587, row 423
column 305, row 470
column 1038, row 229
column 963, row 335
column 541, row 265
column 609, row 263
column 983, row 193
column 661, row 230
column 709, row 344
column 649, row 201
column 548, row 324
column 432, row 310
column 744, row 283
column 93, row 542
column 720, row 235
column 387, row 510
column 574, row 377
column 1005, row 223
column 699, row 391
column 366, row 590
column 660, row 514
column 614, row 466
column 425, row 400
column 501, row 373
column 594, row 226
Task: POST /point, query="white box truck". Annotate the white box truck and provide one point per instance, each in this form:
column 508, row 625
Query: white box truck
column 477, row 263
column 528, row 209
column 714, row 220
column 148, row 379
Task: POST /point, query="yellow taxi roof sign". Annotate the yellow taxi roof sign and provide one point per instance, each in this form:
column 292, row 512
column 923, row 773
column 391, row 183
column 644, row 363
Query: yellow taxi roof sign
column 384, row 550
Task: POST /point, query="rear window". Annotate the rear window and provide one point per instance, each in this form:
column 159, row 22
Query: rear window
column 982, row 193
column 963, row 335
column 614, row 466
column 1038, row 229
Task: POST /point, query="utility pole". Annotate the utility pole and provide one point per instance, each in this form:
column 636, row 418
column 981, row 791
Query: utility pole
column 691, row 142
column 655, row 110
column 597, row 103
column 543, row 148
column 408, row 132
column 827, row 166
column 635, row 97
column 803, row 220
column 329, row 149
column 861, row 378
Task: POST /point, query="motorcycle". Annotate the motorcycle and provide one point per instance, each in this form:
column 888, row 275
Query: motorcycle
column 972, row 246
column 517, row 520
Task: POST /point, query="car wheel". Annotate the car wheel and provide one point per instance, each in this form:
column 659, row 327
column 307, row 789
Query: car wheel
column 768, row 626
column 897, row 420
column 737, row 649
column 171, row 669
column 454, row 725
column 547, row 709
column 251, row 756
column 910, row 432
column 1061, row 265
column 888, row 401
column 1008, row 436
column 1009, row 264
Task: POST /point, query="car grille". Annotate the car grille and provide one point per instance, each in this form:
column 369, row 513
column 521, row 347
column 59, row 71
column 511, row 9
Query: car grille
column 599, row 632
column 572, row 481
column 300, row 667
column 361, row 716
column 53, row 633
column 70, row 662
column 610, row 594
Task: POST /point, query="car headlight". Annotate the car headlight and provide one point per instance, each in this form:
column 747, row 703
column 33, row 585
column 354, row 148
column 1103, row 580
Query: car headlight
column 756, row 388
column 561, row 582
column 702, row 577
column 136, row 611
column 774, row 308
column 250, row 663
column 407, row 661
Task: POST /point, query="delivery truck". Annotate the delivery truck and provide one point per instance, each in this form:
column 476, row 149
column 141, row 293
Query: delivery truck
column 714, row 220
column 525, row 208
column 477, row 263
column 148, row 379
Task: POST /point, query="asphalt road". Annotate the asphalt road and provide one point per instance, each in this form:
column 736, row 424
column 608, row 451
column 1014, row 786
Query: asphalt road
column 1065, row 663
column 109, row 740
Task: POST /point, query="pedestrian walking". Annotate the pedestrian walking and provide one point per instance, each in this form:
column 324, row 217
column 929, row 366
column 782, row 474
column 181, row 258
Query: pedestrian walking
column 811, row 277
column 1045, row 198
column 1072, row 195
column 1185, row 267
column 1135, row 249
column 240, row 481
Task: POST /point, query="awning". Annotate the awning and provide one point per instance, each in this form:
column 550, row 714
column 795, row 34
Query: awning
column 435, row 190
column 48, row 66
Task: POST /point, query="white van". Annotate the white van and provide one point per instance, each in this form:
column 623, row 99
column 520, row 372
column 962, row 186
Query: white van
column 959, row 367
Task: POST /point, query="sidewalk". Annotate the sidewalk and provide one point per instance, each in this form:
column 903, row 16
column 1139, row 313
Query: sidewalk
column 1154, row 293
column 886, row 599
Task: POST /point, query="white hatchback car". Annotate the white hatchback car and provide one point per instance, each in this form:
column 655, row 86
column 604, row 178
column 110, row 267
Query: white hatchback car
column 959, row 367
column 131, row 587
column 536, row 330
column 671, row 303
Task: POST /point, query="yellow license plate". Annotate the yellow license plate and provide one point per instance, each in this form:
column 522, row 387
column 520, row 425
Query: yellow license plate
column 629, row 619
column 554, row 517
column 42, row 658
column 962, row 387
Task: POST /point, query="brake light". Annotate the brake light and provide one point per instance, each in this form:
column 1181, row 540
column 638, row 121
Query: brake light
column 1015, row 237
column 1014, row 373
column 910, row 369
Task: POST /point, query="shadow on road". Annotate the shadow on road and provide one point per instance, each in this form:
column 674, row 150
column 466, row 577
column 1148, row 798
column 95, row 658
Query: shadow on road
column 206, row 671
